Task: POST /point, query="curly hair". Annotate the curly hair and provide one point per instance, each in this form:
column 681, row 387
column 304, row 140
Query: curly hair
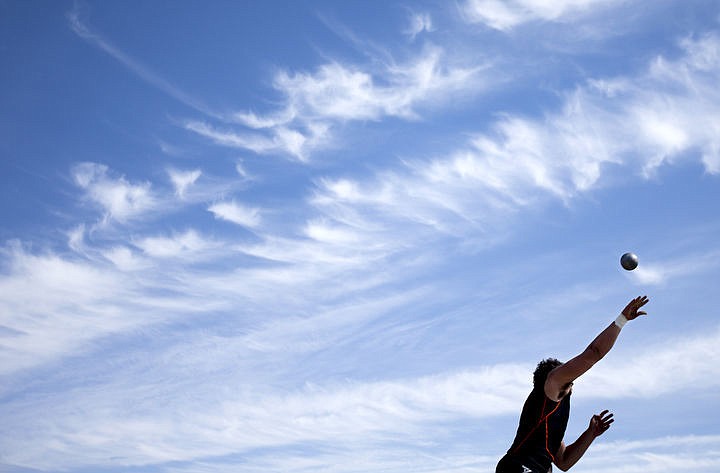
column 542, row 370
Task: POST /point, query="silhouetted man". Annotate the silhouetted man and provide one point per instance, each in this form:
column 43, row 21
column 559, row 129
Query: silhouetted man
column 539, row 439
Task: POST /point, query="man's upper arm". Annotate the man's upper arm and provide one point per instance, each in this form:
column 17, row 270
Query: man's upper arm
column 569, row 372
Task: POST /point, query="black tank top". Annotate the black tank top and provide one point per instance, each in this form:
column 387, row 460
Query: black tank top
column 542, row 427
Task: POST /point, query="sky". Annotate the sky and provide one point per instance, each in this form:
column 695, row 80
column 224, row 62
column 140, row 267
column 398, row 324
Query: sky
column 337, row 237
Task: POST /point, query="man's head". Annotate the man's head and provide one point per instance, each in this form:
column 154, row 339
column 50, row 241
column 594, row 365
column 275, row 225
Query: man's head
column 542, row 370
column 541, row 374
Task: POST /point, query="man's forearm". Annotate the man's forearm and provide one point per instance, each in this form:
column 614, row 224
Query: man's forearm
column 576, row 450
column 604, row 341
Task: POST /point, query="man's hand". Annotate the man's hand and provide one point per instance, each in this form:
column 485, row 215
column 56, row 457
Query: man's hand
column 631, row 310
column 566, row 457
column 599, row 423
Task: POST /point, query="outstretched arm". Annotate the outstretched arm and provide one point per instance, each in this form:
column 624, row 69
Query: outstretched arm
column 566, row 457
column 561, row 377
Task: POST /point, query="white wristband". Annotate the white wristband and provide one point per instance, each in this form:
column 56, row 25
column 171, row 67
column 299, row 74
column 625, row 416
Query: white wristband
column 621, row 321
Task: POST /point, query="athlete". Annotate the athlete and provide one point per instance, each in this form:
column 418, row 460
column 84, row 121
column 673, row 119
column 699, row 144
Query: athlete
column 539, row 439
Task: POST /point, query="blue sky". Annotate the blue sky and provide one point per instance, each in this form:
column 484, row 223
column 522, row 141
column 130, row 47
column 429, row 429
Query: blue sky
column 338, row 236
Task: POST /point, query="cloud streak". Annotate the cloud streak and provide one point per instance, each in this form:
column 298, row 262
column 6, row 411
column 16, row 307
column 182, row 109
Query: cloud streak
column 119, row 199
column 182, row 180
column 334, row 94
column 419, row 23
column 236, row 213
column 80, row 28
column 405, row 410
column 643, row 122
column 507, row 15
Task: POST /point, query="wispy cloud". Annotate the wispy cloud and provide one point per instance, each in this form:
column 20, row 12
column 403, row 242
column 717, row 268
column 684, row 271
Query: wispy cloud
column 124, row 258
column 360, row 457
column 341, row 92
column 405, row 410
column 182, row 180
column 692, row 453
column 337, row 93
column 640, row 122
column 659, row 371
column 354, row 412
column 236, row 213
column 119, row 199
column 54, row 324
column 506, row 15
column 353, row 223
column 81, row 28
column 253, row 142
column 281, row 139
column 419, row 23
column 521, row 164
column 187, row 243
